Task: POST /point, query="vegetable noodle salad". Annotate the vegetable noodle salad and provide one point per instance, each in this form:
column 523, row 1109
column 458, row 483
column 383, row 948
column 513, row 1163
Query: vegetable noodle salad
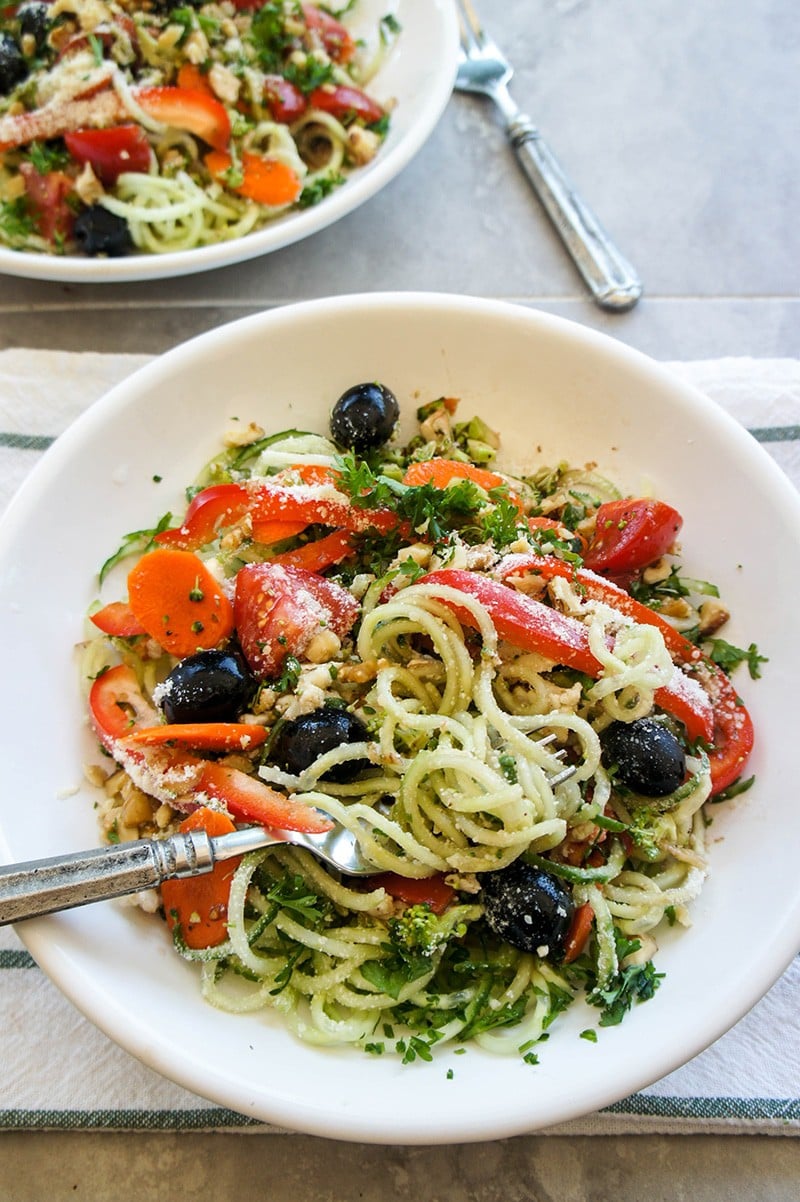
column 506, row 688
column 157, row 127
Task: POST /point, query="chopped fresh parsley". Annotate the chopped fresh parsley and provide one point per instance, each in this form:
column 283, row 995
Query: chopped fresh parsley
column 313, row 193
column 728, row 657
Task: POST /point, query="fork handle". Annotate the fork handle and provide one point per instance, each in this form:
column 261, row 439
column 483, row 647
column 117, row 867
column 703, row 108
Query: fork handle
column 612, row 281
column 44, row 886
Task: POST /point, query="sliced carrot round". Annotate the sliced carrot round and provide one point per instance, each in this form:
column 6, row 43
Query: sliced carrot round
column 199, row 905
column 178, row 602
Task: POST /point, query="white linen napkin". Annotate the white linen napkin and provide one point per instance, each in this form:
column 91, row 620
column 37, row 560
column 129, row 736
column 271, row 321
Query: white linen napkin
column 59, row 1072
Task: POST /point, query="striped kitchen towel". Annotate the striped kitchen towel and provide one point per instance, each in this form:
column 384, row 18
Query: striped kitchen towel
column 59, row 1072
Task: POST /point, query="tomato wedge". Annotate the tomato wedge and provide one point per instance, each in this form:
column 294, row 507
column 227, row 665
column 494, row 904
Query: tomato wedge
column 335, row 38
column 532, row 626
column 199, row 905
column 285, row 101
column 278, row 610
column 346, row 103
column 431, row 890
column 110, row 152
column 630, row 534
column 48, row 196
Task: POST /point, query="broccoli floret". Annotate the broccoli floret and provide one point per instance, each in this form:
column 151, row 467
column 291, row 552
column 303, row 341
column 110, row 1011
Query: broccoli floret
column 418, row 931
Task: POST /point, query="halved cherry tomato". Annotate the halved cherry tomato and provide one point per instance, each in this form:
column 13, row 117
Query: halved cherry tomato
column 264, row 180
column 278, row 610
column 48, row 196
column 286, row 102
column 335, row 38
column 527, row 623
column 199, row 905
column 630, row 534
column 186, row 108
column 117, row 706
column 118, row 620
column 346, row 102
column 110, row 151
column 432, row 890
column 202, row 736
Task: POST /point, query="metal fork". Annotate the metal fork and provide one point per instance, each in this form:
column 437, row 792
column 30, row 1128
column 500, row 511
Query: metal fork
column 39, row 887
column 483, row 68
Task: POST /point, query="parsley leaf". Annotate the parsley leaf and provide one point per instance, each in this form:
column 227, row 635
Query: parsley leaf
column 728, row 657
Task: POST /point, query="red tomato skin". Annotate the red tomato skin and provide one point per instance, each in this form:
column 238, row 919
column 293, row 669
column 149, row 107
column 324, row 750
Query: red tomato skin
column 630, row 534
column 335, row 37
column 47, row 195
column 286, row 102
column 278, row 610
column 345, row 100
column 117, row 619
column 110, row 151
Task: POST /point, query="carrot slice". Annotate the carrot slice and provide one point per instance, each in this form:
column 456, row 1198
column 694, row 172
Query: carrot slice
column 178, row 602
column 199, row 905
column 204, row 736
column 266, row 181
column 441, row 472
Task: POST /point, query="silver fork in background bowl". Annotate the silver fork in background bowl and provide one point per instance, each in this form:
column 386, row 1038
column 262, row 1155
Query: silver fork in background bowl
column 484, row 69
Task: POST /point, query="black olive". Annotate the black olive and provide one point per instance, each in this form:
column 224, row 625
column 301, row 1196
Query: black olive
column 364, row 417
column 13, row 67
column 34, row 22
column 301, row 741
column 99, row 232
column 648, row 757
column 528, row 908
column 211, row 686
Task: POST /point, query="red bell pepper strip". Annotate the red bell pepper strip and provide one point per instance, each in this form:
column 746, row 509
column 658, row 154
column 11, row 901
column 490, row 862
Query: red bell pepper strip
column 224, row 504
column 733, row 735
column 532, row 626
column 119, row 710
column 183, row 108
column 117, row 619
column 431, row 890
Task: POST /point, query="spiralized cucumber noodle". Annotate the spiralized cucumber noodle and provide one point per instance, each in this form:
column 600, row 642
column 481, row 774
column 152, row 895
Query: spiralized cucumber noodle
column 460, row 774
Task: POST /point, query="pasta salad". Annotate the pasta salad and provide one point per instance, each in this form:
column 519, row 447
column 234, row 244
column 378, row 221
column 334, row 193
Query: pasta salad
column 160, row 127
column 505, row 687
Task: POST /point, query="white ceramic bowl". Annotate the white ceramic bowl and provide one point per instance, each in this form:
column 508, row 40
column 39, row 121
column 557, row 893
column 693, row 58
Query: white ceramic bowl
column 555, row 390
column 418, row 75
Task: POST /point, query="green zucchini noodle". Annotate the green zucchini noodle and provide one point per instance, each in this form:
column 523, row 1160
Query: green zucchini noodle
column 474, row 754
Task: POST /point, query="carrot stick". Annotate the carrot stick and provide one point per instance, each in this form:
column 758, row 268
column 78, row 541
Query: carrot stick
column 271, row 530
column 441, row 472
column 321, row 554
column 203, row 736
column 178, row 602
column 266, row 181
column 199, row 905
